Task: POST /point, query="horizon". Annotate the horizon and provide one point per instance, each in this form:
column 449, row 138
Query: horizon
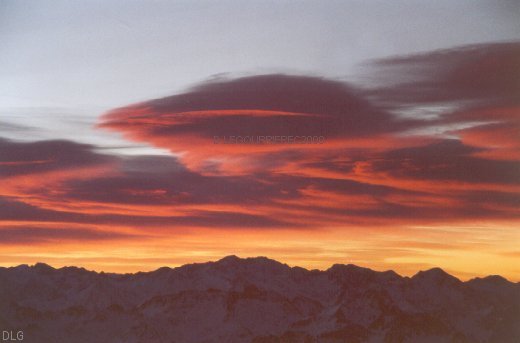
column 385, row 135
column 254, row 258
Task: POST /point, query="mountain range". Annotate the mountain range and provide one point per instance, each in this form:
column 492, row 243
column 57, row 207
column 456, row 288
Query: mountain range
column 255, row 300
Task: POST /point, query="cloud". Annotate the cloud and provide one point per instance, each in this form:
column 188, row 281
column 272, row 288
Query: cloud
column 470, row 75
column 370, row 152
column 160, row 192
column 41, row 235
column 448, row 159
column 19, row 158
column 371, row 170
column 496, row 141
column 257, row 106
column 19, row 211
column 477, row 85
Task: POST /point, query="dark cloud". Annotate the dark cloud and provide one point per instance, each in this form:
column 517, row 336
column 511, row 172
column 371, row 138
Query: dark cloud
column 18, row 210
column 37, row 235
column 481, row 86
column 498, row 200
column 164, row 180
column 291, row 105
column 19, row 158
column 13, row 210
column 485, row 74
column 447, row 160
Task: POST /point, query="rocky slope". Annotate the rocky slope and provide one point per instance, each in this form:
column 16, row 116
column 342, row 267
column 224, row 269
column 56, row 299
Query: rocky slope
column 256, row 300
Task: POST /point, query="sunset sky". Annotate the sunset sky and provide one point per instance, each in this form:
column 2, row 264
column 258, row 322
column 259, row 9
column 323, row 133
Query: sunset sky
column 113, row 117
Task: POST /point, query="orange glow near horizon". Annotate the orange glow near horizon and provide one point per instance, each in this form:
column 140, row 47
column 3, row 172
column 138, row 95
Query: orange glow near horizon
column 466, row 251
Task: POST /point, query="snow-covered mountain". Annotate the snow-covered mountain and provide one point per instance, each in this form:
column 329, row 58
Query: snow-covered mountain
column 255, row 300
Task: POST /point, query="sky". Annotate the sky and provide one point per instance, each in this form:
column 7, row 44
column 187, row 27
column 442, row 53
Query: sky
column 138, row 134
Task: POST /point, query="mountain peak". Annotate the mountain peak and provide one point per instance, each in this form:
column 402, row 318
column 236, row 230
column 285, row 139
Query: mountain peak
column 350, row 267
column 234, row 260
column 43, row 267
column 490, row 280
column 434, row 274
column 495, row 279
column 230, row 259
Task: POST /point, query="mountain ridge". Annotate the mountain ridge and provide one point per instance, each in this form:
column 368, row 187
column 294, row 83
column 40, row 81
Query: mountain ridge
column 43, row 265
column 256, row 300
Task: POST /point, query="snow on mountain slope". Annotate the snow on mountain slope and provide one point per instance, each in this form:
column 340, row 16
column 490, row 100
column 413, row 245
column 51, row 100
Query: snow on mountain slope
column 256, row 300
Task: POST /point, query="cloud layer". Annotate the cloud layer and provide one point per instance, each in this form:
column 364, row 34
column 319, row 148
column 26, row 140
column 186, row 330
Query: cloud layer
column 375, row 167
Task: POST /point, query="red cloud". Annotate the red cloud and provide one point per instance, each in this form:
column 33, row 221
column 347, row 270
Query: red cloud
column 253, row 107
column 365, row 144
